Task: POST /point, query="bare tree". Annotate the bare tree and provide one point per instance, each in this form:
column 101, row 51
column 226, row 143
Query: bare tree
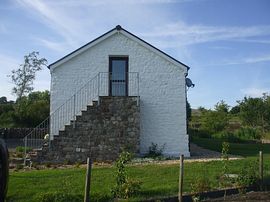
column 24, row 76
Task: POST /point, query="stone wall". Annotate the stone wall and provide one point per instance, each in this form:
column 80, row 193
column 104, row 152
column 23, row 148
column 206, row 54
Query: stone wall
column 101, row 132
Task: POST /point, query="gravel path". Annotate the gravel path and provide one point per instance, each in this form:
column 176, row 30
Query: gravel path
column 198, row 154
column 201, row 154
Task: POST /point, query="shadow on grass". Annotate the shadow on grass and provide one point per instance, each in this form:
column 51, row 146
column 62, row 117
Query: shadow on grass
column 242, row 149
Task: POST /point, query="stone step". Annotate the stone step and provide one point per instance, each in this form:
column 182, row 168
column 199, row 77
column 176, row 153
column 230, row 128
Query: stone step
column 101, row 130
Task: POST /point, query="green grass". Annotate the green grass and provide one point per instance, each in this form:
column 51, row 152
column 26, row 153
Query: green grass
column 157, row 180
column 242, row 149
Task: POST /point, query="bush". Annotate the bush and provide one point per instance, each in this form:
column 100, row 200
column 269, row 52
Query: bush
column 248, row 133
column 58, row 197
column 20, row 149
column 248, row 175
column 154, row 151
column 125, row 187
column 227, row 136
column 198, row 133
column 200, row 185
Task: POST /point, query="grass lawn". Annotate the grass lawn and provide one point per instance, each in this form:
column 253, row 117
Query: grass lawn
column 157, row 180
column 242, row 149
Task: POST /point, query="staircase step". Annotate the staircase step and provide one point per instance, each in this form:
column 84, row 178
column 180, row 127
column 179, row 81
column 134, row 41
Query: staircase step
column 67, row 127
column 62, row 132
column 79, row 117
column 95, row 103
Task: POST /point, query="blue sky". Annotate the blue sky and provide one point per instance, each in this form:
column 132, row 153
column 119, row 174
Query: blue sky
column 225, row 42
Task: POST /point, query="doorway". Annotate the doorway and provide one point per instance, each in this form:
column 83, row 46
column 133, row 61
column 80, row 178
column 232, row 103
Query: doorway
column 118, row 76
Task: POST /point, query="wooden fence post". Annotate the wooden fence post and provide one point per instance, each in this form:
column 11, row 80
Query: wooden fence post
column 181, row 175
column 88, row 181
column 261, row 169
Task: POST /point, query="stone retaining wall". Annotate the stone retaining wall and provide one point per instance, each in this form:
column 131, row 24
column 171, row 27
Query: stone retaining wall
column 101, row 132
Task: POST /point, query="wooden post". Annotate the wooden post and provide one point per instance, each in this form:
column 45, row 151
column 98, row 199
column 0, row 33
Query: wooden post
column 88, row 181
column 181, row 172
column 261, row 170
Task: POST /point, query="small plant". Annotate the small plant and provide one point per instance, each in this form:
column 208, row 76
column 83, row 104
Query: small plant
column 200, row 184
column 224, row 179
column 248, row 175
column 20, row 149
column 125, row 186
column 154, row 151
column 225, row 156
column 77, row 165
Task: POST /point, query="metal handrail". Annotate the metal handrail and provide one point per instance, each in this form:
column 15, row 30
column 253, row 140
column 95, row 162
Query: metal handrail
column 99, row 85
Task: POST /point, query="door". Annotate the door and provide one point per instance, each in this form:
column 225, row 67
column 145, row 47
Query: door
column 118, row 76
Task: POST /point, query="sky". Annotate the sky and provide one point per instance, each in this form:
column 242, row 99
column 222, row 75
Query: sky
column 226, row 43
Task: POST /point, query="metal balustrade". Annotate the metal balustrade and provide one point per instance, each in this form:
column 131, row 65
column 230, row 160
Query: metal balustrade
column 103, row 84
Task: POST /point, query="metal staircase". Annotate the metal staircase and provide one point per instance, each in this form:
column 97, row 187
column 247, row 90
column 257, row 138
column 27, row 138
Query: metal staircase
column 44, row 133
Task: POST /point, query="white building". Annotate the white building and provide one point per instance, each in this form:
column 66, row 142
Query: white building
column 119, row 63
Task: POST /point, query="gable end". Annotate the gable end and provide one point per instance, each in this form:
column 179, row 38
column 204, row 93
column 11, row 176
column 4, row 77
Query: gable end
column 126, row 33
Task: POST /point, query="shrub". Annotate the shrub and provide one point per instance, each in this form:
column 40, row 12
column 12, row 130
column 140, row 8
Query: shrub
column 58, row 197
column 203, row 134
column 225, row 180
column 248, row 175
column 154, row 151
column 20, row 149
column 248, row 133
column 200, row 184
column 78, row 164
column 125, row 187
column 227, row 136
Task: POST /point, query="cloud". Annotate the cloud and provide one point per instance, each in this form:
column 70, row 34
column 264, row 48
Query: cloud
column 254, row 92
column 93, row 3
column 56, row 18
column 180, row 33
column 260, row 41
column 79, row 21
column 53, row 45
column 241, row 61
column 261, row 58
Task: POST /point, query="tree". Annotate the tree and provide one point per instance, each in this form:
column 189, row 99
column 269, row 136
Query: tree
column 188, row 108
column 6, row 111
column 255, row 112
column 24, row 76
column 3, row 100
column 32, row 109
column 216, row 120
column 222, row 107
column 235, row 110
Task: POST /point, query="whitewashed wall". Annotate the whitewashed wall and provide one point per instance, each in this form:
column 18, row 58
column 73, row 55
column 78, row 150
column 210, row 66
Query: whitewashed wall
column 162, row 89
